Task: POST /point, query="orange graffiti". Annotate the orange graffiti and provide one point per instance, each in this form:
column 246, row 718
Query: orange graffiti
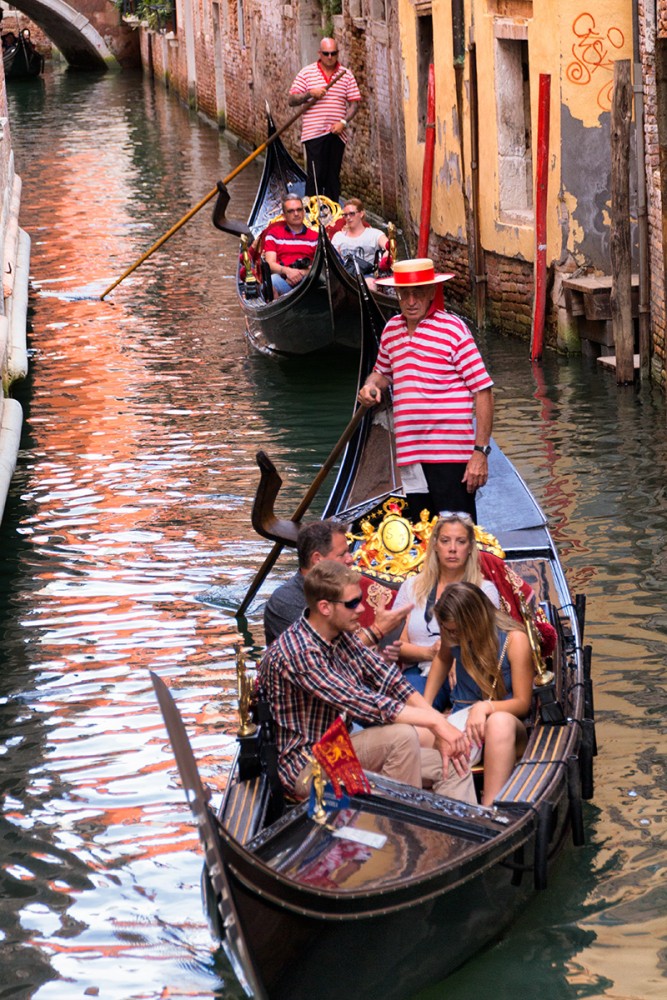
column 591, row 53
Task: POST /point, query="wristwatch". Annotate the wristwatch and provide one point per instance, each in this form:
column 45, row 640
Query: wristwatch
column 485, row 449
column 343, row 122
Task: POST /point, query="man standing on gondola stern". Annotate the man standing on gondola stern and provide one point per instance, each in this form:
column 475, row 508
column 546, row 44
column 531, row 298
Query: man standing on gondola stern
column 323, row 131
column 432, row 362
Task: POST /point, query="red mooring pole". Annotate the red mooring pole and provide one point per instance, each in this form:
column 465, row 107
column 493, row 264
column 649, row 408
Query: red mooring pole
column 427, row 175
column 541, row 180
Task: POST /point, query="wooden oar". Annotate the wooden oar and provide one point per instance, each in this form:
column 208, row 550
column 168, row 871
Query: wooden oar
column 237, row 170
column 272, row 557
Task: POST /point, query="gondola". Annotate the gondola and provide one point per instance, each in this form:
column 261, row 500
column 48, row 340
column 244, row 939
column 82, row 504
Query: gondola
column 322, row 312
column 385, row 894
column 20, row 58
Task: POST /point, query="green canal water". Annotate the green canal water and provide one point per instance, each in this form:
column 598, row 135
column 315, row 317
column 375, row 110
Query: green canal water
column 127, row 540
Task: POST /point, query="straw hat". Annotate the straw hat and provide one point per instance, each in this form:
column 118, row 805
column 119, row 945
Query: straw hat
column 410, row 273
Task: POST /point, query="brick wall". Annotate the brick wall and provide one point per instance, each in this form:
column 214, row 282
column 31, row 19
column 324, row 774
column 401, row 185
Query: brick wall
column 256, row 60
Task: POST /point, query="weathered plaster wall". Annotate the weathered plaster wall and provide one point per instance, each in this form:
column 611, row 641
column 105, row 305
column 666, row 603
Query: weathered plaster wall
column 228, row 57
column 592, row 40
column 586, row 186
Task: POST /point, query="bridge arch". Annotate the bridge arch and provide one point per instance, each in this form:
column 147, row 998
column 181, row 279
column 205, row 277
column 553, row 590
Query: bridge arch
column 90, row 36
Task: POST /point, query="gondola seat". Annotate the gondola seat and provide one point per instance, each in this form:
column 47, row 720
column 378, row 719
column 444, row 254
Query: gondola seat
column 245, row 808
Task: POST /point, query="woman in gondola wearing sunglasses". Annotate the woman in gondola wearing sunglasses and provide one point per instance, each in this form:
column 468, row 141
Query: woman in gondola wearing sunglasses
column 451, row 556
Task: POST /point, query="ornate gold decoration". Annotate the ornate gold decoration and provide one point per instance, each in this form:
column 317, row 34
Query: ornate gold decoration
column 319, row 781
column 377, row 596
column 244, row 688
column 395, row 548
column 543, row 676
column 250, row 276
column 391, row 243
column 321, row 209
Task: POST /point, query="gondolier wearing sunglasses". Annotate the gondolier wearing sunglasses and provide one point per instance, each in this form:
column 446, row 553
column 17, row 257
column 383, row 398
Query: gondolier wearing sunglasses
column 432, row 362
column 318, row 670
column 324, row 125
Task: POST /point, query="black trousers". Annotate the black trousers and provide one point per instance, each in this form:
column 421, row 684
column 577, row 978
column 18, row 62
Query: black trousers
column 445, row 491
column 325, row 154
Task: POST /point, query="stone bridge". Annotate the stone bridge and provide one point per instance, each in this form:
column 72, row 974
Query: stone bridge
column 90, row 34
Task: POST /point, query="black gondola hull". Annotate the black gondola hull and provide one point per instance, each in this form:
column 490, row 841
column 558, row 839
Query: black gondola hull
column 322, row 312
column 399, row 888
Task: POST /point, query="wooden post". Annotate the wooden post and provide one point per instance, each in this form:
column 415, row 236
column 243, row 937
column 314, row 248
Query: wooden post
column 619, row 246
column 541, row 183
column 642, row 208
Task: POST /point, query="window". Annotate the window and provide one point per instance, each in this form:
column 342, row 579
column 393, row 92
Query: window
column 515, row 164
column 241, row 22
column 379, row 10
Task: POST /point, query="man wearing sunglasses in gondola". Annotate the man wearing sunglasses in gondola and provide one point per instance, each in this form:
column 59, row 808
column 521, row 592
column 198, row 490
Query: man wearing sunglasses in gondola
column 317, row 670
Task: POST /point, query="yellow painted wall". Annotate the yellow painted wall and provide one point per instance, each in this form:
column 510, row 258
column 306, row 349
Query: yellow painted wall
column 574, row 41
column 448, row 212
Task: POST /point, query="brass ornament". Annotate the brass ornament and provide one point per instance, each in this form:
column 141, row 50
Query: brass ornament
column 543, row 675
column 244, row 687
column 319, row 782
column 250, row 277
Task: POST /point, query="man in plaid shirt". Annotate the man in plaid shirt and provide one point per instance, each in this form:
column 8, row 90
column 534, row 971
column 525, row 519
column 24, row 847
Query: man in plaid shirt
column 317, row 670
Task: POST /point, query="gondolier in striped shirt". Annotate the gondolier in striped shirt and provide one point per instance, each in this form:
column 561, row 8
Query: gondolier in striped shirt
column 323, row 130
column 432, row 362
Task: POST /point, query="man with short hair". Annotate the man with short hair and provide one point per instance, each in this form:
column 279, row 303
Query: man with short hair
column 430, row 358
column 289, row 246
column 316, row 541
column 323, row 125
column 317, row 670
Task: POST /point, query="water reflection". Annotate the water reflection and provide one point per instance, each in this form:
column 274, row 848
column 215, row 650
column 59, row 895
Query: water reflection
column 131, row 504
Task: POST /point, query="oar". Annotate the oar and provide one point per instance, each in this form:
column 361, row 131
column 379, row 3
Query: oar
column 272, row 557
column 237, row 170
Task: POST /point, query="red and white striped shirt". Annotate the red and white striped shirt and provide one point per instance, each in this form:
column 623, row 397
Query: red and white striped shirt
column 289, row 246
column 332, row 107
column 435, row 374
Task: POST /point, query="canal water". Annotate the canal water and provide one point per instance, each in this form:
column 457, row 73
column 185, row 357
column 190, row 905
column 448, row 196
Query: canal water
column 127, row 543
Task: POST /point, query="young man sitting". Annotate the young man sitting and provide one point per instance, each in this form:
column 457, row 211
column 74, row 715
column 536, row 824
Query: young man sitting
column 317, row 670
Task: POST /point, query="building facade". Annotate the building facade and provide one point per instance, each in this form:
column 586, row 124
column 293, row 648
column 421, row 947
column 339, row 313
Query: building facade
column 228, row 57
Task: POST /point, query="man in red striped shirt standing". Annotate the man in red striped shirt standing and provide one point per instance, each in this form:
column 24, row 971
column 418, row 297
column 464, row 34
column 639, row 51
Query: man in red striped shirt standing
column 323, row 126
column 432, row 361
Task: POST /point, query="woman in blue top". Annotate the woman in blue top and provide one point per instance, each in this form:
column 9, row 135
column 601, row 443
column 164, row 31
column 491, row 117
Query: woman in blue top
column 491, row 665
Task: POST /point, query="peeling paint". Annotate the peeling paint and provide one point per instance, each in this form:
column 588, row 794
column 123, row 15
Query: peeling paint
column 586, row 178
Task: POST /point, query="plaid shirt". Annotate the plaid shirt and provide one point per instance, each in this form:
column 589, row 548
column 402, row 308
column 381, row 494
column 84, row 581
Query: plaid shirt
column 309, row 682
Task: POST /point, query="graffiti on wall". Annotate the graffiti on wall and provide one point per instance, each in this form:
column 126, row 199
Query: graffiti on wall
column 593, row 62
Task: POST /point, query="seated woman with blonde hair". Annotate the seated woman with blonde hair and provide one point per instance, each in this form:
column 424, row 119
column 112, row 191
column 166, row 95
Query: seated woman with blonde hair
column 492, row 690
column 451, row 556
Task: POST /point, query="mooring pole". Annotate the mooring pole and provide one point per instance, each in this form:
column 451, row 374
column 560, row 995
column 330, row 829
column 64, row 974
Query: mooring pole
column 619, row 242
column 427, row 174
column 541, row 184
